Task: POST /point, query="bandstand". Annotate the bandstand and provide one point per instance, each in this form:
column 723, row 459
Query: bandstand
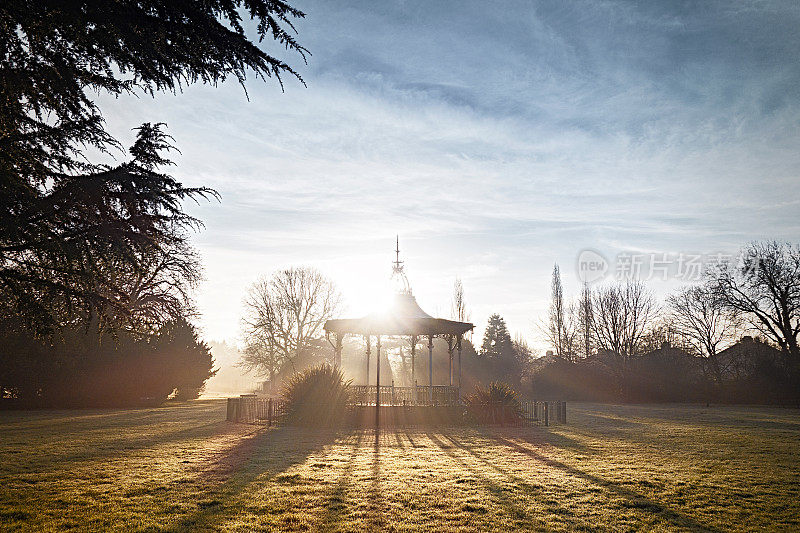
column 406, row 319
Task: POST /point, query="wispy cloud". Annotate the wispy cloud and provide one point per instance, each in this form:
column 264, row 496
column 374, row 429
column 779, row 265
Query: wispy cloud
column 496, row 139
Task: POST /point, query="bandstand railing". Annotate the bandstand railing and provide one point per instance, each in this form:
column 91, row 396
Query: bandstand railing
column 391, row 395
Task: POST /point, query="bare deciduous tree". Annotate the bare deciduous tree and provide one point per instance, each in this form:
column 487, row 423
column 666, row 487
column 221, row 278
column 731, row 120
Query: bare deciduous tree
column 261, row 357
column 766, row 288
column 660, row 332
column 458, row 306
column 285, row 315
column 622, row 314
column 706, row 325
column 523, row 352
column 561, row 328
column 585, row 319
column 156, row 292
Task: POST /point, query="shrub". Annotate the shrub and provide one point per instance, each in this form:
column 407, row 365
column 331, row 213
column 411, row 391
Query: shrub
column 80, row 368
column 318, row 396
column 496, row 403
column 188, row 358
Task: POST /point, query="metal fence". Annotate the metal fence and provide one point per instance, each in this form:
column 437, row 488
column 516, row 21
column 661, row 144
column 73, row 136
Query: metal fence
column 545, row 413
column 419, row 395
column 249, row 408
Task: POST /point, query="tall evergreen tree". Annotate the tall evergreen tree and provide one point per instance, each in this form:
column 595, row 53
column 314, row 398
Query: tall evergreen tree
column 63, row 219
column 499, row 353
column 496, row 339
column 87, row 247
column 56, row 55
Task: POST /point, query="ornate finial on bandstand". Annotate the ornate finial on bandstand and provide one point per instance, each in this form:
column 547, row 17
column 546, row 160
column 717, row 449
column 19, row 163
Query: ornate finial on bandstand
column 399, row 279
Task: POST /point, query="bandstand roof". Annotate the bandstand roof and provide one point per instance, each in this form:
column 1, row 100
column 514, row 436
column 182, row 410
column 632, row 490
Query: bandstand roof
column 404, row 316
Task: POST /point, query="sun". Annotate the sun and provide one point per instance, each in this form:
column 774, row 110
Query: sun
column 364, row 295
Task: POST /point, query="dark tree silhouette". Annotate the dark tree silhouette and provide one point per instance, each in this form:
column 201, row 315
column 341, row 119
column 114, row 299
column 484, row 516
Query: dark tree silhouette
column 101, row 246
column 76, row 367
column 766, row 287
column 496, row 339
column 561, row 328
column 585, row 318
column 706, row 325
column 57, row 54
column 498, row 353
column 186, row 359
column 622, row 314
column 59, row 213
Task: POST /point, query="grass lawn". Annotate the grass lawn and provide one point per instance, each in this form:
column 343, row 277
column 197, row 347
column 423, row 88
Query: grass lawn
column 611, row 468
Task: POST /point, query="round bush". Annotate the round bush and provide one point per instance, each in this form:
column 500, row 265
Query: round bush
column 496, row 403
column 317, row 397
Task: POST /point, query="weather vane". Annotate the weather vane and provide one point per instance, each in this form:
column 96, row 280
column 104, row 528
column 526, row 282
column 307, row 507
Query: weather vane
column 399, row 279
column 398, row 265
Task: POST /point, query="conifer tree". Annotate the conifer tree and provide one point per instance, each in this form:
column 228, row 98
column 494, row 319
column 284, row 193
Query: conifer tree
column 496, row 339
column 499, row 353
column 66, row 222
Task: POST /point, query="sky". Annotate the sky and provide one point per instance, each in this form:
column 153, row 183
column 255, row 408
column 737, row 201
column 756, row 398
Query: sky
column 496, row 139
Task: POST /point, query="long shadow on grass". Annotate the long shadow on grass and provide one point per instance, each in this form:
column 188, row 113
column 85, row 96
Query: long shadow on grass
column 398, row 440
column 265, row 455
column 100, row 449
column 75, row 421
column 565, row 516
column 559, row 440
column 723, row 418
column 635, row 499
column 615, row 422
column 411, row 439
column 499, row 493
column 376, row 500
column 335, row 504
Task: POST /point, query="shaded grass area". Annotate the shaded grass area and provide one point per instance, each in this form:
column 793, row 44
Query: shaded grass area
column 182, row 468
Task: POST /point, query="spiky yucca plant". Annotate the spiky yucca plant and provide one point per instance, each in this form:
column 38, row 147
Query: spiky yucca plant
column 495, row 403
column 317, row 397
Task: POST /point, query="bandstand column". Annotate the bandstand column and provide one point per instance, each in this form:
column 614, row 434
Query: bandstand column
column 458, row 347
column 378, row 381
column 413, row 372
column 450, row 348
column 430, row 369
column 337, row 351
column 369, row 342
